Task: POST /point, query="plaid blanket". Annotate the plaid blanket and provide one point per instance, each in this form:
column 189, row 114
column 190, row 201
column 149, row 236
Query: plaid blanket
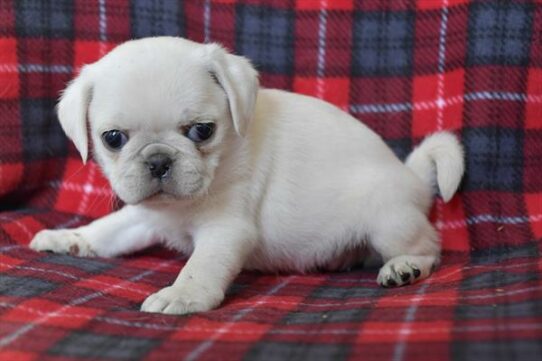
column 405, row 68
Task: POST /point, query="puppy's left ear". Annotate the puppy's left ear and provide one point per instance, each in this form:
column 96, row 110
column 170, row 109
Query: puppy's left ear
column 239, row 80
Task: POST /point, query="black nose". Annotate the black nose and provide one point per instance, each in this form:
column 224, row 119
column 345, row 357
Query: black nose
column 159, row 165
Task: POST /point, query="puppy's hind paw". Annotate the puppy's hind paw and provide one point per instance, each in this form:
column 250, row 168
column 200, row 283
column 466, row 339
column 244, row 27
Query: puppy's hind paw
column 61, row 241
column 404, row 270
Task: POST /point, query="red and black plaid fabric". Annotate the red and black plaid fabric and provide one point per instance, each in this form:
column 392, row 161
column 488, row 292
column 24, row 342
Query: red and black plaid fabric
column 405, row 68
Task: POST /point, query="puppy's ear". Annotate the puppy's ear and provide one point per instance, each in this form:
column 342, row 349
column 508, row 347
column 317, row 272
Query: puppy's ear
column 239, row 80
column 72, row 111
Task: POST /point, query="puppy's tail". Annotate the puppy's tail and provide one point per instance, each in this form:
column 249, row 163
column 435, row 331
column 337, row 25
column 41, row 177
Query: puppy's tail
column 438, row 161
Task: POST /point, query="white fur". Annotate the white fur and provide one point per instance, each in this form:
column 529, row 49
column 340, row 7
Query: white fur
column 289, row 183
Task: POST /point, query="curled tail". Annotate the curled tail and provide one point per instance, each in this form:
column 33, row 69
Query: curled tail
column 438, row 161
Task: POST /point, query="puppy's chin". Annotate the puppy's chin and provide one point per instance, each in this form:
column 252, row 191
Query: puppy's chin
column 161, row 198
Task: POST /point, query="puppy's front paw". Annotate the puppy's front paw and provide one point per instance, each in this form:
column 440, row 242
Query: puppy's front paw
column 179, row 301
column 62, row 241
column 404, row 270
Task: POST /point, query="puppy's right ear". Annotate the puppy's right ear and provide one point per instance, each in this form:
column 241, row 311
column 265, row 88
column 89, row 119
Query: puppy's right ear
column 72, row 111
column 239, row 80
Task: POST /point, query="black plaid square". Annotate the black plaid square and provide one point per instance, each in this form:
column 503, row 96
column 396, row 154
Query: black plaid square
column 499, row 33
column 493, row 159
column 330, row 316
column 265, row 35
column 516, row 309
column 86, row 264
column 23, row 286
column 401, row 147
column 504, row 347
column 85, row 344
column 496, row 279
column 42, row 135
column 154, row 18
column 297, row 351
column 44, row 18
column 383, row 43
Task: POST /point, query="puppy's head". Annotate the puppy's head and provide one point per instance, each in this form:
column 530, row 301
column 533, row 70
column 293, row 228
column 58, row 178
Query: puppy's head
column 161, row 112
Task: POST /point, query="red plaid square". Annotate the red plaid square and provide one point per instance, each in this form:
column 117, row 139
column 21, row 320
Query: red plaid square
column 143, row 261
column 54, row 314
column 533, row 201
column 109, row 20
column 338, row 44
column 9, row 76
column 200, row 329
column 533, row 106
column 10, row 175
column 493, row 93
column 448, row 274
column 536, row 41
column 18, row 355
column 433, row 4
column 285, row 303
column 432, row 112
column 498, row 219
column 391, row 6
column 276, row 81
column 306, row 57
column 372, row 91
column 7, row 262
column 196, row 32
column 87, row 52
column 10, row 136
column 456, row 40
column 532, row 161
column 116, row 286
column 7, row 20
column 427, row 30
column 453, row 226
column 442, row 298
column 385, row 332
column 84, row 190
column 333, row 90
column 44, row 70
column 23, row 229
column 273, row 4
column 324, row 4
column 223, row 31
column 389, row 125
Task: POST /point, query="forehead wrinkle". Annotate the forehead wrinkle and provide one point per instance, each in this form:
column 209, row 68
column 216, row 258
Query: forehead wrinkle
column 152, row 98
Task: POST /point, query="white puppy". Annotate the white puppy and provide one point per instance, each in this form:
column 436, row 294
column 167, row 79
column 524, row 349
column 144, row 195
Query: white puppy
column 241, row 177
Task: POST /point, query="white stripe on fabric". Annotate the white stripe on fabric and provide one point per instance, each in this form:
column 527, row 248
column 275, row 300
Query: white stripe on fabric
column 207, row 21
column 204, row 346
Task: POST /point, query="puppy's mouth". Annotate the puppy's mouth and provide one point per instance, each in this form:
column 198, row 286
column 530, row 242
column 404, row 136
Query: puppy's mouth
column 161, row 195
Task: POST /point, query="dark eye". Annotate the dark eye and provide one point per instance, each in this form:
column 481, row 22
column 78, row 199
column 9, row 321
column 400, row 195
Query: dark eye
column 200, row 132
column 114, row 139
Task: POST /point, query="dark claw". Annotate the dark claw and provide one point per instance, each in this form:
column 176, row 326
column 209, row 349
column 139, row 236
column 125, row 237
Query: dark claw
column 417, row 272
column 391, row 283
column 404, row 276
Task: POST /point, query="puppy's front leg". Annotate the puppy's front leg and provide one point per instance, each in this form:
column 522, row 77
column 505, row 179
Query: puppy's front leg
column 121, row 232
column 219, row 253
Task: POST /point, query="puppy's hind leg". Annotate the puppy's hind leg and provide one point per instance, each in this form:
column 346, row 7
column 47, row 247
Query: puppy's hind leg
column 409, row 247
